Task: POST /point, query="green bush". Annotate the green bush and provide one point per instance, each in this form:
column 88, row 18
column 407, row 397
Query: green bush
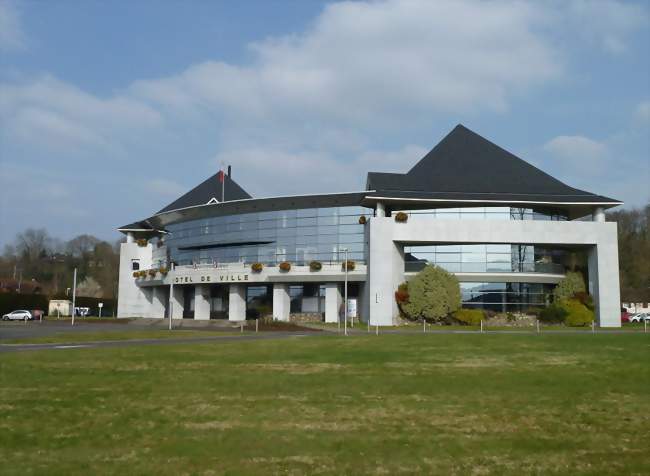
column 553, row 314
column 577, row 313
column 433, row 294
column 471, row 317
column 569, row 286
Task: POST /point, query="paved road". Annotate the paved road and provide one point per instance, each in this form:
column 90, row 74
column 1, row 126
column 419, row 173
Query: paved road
column 130, row 342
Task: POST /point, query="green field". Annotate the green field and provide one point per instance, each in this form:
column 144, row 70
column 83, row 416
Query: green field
column 394, row 404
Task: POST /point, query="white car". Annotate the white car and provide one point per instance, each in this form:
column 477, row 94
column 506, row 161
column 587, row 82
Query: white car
column 18, row 316
column 640, row 317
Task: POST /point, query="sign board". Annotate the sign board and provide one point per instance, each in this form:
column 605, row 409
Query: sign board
column 352, row 307
column 219, row 278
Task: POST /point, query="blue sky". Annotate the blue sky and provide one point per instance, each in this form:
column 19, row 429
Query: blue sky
column 111, row 110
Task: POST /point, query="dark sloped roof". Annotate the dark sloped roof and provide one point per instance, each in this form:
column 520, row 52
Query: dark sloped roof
column 136, row 226
column 466, row 166
column 208, row 190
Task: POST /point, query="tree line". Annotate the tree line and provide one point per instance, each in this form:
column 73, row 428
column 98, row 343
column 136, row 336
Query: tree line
column 37, row 263
column 633, row 252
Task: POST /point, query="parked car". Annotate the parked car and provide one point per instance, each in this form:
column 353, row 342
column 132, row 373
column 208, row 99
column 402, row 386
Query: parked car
column 625, row 316
column 20, row 315
column 640, row 317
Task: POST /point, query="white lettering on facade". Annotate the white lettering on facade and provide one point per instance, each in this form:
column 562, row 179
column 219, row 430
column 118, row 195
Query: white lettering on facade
column 207, row 278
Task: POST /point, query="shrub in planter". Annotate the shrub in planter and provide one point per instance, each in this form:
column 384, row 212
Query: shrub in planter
column 577, row 313
column 433, row 293
column 585, row 299
column 257, row 267
column 163, row 270
column 315, row 266
column 285, row 266
column 363, row 220
column 553, row 314
column 136, row 274
column 152, row 272
column 571, row 284
column 349, row 265
column 401, row 217
column 142, row 242
column 470, row 317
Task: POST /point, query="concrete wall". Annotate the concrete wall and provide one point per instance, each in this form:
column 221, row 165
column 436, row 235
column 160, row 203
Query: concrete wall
column 386, row 268
column 333, row 301
column 132, row 301
column 237, row 302
column 281, row 302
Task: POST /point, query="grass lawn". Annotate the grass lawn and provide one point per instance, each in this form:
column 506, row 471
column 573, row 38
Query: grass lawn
column 393, row 404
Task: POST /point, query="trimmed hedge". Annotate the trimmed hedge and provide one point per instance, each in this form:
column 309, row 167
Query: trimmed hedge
column 14, row 301
column 577, row 313
column 470, row 317
column 553, row 314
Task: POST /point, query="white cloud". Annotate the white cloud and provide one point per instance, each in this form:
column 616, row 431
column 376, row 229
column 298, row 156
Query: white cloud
column 375, row 61
column 164, row 188
column 604, row 23
column 12, row 36
column 49, row 112
column 643, row 111
column 576, row 148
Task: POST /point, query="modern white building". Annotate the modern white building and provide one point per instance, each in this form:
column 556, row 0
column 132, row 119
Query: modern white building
column 508, row 231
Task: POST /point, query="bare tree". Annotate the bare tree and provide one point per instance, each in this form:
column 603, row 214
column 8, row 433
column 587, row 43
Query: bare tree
column 33, row 244
column 81, row 245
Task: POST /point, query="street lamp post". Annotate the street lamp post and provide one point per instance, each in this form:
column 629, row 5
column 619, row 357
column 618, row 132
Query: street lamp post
column 171, row 297
column 74, row 293
column 345, row 298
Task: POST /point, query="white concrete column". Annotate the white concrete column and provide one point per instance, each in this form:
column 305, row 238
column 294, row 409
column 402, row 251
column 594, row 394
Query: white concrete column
column 281, row 302
column 380, row 210
column 333, row 302
column 385, row 271
column 604, row 285
column 158, row 304
column 598, row 214
column 176, row 302
column 133, row 300
column 202, row 302
column 237, row 302
column 129, row 237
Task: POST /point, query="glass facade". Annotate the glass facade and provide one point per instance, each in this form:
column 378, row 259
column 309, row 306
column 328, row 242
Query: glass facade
column 505, row 297
column 297, row 236
column 485, row 213
column 486, row 258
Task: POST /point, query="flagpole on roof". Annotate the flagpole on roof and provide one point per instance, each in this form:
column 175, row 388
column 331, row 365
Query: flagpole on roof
column 223, row 184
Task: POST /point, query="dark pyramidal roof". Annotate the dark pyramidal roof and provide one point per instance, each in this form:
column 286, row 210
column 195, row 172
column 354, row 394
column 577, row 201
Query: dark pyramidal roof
column 209, row 191
column 466, row 166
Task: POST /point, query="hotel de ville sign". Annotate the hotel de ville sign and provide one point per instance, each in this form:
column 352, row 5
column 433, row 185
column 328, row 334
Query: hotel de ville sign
column 209, row 278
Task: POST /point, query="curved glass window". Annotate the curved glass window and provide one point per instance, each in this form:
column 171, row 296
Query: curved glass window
column 488, row 258
column 505, row 297
column 485, row 213
column 298, row 236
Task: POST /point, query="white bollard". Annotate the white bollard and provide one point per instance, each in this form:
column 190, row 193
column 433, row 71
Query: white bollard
column 377, row 329
column 593, row 327
column 424, row 325
column 241, row 327
column 537, row 323
column 256, row 324
column 481, row 325
column 645, row 325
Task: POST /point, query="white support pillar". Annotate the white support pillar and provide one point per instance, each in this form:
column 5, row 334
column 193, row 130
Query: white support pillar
column 385, row 272
column 598, row 214
column 380, row 210
column 604, row 285
column 176, row 302
column 362, row 302
column 158, row 302
column 333, row 302
column 281, row 302
column 237, row 303
column 202, row 302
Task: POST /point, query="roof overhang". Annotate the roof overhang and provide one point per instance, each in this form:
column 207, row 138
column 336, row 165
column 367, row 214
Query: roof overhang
column 573, row 209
